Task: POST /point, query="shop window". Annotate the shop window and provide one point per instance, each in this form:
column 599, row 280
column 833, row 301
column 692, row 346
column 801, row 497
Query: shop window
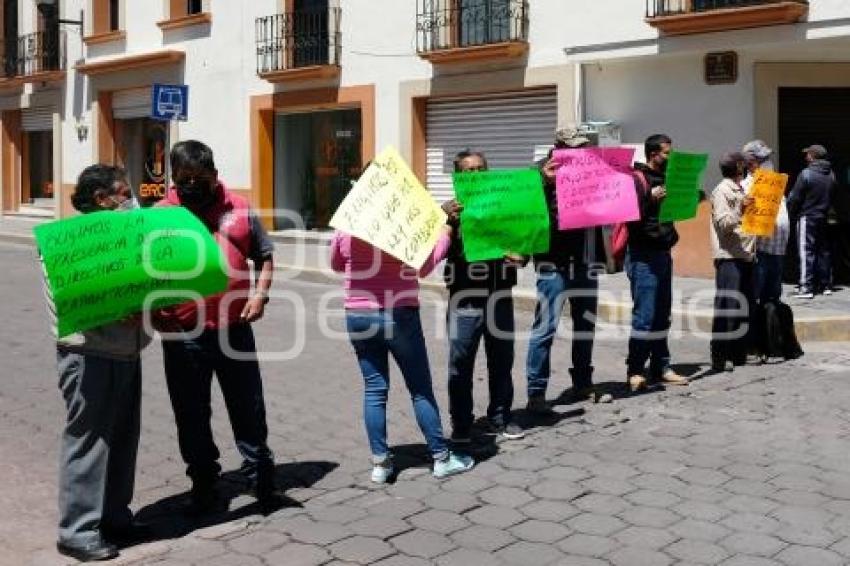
column 141, row 148
column 194, row 6
column 38, row 172
column 317, row 158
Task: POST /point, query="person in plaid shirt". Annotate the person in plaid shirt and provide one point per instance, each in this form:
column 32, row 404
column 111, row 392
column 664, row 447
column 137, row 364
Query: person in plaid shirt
column 770, row 251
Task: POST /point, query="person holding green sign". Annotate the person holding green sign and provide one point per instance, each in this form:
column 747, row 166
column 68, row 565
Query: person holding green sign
column 480, row 305
column 649, row 266
column 215, row 336
column 100, row 376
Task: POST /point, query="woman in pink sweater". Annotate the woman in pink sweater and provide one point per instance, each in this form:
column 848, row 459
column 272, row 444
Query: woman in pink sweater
column 382, row 318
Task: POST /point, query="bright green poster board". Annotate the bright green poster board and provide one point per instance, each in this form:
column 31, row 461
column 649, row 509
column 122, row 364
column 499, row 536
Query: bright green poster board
column 102, row 266
column 503, row 211
column 683, row 184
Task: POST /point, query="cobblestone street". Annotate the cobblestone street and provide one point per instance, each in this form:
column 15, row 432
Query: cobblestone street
column 750, row 468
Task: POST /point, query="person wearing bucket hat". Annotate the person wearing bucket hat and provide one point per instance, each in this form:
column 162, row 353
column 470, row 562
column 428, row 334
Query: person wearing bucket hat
column 809, row 202
column 566, row 271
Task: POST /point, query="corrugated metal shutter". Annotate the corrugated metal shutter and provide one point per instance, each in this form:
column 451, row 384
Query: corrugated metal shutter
column 510, row 128
column 134, row 103
column 38, row 119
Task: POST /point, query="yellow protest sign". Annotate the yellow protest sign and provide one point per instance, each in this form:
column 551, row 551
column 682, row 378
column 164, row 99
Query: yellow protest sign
column 389, row 208
column 768, row 188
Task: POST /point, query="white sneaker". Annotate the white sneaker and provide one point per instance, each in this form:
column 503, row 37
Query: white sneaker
column 803, row 295
column 827, row 292
column 383, row 471
column 453, row 464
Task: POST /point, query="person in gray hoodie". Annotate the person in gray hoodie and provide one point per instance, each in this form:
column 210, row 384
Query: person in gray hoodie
column 100, row 380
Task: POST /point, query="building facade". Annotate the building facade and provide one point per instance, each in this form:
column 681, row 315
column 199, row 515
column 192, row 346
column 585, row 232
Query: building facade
column 295, row 96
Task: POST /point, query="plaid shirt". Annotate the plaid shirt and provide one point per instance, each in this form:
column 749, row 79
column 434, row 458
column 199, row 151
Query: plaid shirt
column 776, row 244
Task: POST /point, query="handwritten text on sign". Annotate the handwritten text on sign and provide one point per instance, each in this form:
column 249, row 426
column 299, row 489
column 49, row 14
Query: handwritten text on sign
column 389, row 208
column 595, row 187
column 102, row 267
column 767, row 189
column 683, row 183
column 503, row 211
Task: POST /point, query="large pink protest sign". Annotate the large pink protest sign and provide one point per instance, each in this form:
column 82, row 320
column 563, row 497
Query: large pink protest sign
column 594, row 187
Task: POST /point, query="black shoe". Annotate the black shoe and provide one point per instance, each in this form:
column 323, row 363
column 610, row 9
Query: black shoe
column 134, row 533
column 538, row 407
column 204, row 499
column 94, row 551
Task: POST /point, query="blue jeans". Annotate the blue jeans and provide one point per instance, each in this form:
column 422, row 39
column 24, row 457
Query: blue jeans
column 556, row 285
column 189, row 366
column 768, row 277
column 374, row 335
column 469, row 319
column 650, row 274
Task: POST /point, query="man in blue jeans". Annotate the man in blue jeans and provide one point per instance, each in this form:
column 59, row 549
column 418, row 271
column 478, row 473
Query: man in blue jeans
column 649, row 266
column 566, row 273
column 480, row 305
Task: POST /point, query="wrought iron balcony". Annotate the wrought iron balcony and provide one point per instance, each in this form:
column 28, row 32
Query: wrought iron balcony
column 676, row 17
column 297, row 40
column 445, row 29
column 34, row 54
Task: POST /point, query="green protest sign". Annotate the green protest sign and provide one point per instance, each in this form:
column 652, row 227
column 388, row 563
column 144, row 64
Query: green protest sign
column 683, row 184
column 503, row 211
column 102, row 266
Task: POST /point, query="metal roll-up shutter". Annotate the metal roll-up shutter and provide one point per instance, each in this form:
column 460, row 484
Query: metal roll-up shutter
column 38, row 119
column 510, row 128
column 134, row 103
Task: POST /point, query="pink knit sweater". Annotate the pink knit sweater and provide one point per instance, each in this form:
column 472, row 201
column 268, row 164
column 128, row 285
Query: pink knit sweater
column 374, row 279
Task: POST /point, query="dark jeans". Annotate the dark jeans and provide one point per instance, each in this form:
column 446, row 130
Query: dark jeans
column 556, row 285
column 650, row 274
column 733, row 306
column 189, row 366
column 468, row 320
column 375, row 334
column 768, row 277
column 815, row 256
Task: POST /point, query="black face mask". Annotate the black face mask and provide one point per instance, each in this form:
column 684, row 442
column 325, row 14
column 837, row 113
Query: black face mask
column 197, row 195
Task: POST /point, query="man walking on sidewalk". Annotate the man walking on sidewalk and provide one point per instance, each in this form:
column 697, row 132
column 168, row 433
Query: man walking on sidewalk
column 649, row 266
column 809, row 201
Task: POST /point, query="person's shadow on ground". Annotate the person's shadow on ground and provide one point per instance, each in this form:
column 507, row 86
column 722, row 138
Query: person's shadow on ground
column 169, row 518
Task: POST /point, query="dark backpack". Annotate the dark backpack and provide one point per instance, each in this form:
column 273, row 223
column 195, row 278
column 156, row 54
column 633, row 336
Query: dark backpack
column 774, row 331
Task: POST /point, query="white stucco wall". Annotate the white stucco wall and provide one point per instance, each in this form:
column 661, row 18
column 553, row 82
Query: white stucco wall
column 662, row 90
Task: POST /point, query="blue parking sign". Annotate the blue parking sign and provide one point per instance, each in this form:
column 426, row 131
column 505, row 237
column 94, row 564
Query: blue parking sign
column 170, row 102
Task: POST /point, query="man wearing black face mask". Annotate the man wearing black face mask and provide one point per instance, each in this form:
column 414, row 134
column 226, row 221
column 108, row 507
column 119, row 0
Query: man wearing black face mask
column 649, row 266
column 224, row 324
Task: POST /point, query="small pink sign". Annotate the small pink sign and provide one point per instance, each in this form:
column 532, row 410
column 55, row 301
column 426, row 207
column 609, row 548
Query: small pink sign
column 595, row 187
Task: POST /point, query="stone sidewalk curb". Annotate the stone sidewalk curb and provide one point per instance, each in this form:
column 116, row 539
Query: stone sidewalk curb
column 618, row 313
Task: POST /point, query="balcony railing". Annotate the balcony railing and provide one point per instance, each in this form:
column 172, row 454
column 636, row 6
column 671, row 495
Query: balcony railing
column 33, row 54
column 662, row 8
column 298, row 39
column 448, row 24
